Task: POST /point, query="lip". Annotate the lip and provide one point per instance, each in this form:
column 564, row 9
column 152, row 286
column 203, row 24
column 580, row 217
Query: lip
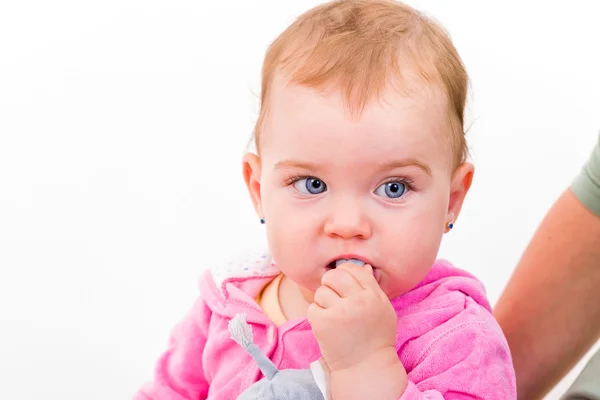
column 348, row 256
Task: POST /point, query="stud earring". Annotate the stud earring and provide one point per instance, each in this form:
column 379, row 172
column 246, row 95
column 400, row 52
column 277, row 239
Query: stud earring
column 450, row 225
column 262, row 221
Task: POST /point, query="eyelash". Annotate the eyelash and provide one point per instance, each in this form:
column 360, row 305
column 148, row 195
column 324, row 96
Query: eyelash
column 405, row 181
column 293, row 178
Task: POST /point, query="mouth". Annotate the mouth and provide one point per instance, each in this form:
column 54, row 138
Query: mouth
column 339, row 261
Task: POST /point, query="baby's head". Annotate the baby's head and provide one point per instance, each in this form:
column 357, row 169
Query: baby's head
column 360, row 143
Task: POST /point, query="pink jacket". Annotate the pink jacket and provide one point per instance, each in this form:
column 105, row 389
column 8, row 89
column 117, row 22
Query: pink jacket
column 447, row 340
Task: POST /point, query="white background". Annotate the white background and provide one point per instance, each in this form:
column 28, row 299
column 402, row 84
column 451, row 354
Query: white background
column 122, row 125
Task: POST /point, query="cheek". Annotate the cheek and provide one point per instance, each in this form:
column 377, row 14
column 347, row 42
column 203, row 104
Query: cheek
column 288, row 216
column 411, row 257
column 415, row 244
column 412, row 240
column 293, row 253
column 419, row 223
column 291, row 236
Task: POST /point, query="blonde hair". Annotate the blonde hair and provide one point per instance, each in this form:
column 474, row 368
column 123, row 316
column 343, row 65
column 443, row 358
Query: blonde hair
column 356, row 46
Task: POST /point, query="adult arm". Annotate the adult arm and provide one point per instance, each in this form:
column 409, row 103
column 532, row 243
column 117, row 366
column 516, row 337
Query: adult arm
column 550, row 309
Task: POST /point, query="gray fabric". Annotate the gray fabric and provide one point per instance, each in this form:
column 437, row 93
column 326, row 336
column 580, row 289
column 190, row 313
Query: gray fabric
column 266, row 366
column 287, row 384
column 587, row 384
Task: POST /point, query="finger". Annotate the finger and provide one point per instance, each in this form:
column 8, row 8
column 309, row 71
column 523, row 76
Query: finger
column 326, row 297
column 342, row 282
column 314, row 314
column 363, row 275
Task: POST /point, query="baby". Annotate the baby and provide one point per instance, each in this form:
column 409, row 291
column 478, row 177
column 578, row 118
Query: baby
column 360, row 169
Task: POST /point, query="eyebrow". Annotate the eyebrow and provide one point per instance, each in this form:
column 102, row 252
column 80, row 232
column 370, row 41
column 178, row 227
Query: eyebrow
column 295, row 164
column 408, row 162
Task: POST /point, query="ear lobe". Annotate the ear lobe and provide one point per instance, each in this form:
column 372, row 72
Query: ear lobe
column 459, row 187
column 251, row 171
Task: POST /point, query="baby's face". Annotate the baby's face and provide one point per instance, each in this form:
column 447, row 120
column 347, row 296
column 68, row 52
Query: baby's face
column 379, row 187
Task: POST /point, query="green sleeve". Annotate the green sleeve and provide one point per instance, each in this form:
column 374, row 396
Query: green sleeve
column 586, row 185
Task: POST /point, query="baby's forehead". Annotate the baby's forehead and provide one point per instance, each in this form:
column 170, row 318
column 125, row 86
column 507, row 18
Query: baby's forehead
column 327, row 137
column 300, row 113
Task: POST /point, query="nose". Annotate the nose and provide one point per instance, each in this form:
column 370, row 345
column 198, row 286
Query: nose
column 347, row 220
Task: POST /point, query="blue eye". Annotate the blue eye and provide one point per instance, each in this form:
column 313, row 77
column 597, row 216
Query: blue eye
column 310, row 186
column 392, row 189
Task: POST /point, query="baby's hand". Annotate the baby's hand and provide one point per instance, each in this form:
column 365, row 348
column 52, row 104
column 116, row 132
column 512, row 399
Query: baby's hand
column 352, row 318
column 355, row 326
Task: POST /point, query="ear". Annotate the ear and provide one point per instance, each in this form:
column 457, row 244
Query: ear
column 459, row 187
column 251, row 170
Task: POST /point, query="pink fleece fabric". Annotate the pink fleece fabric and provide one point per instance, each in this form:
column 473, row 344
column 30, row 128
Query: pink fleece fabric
column 447, row 339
